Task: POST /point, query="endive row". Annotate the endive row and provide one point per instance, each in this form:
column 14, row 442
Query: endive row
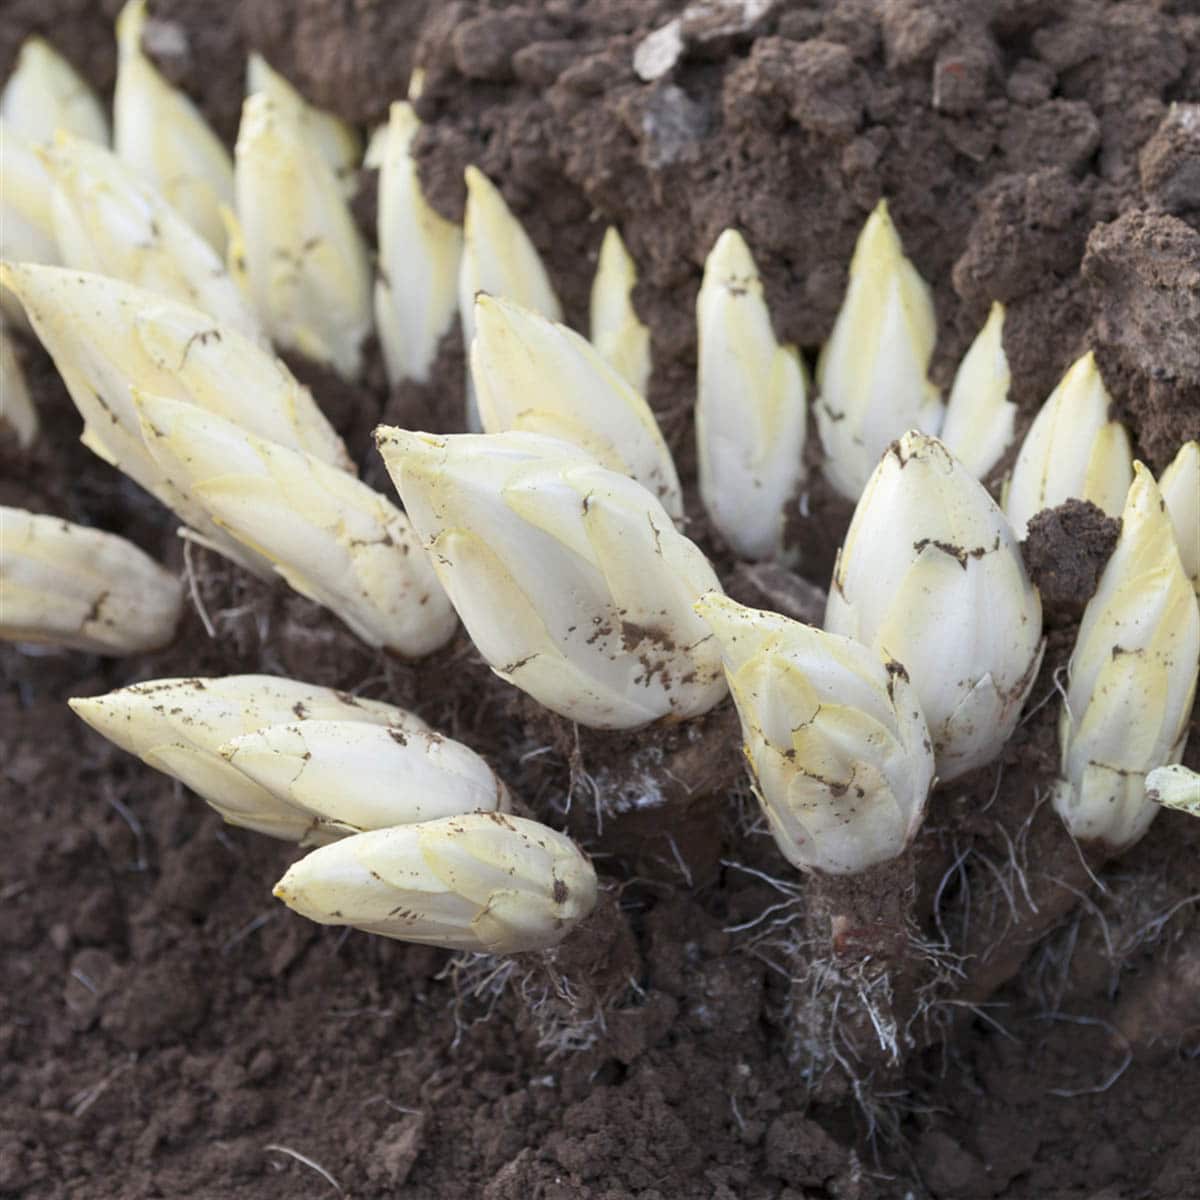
column 416, row 838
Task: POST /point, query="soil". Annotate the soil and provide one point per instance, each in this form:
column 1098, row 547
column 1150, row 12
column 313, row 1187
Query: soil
column 168, row 1030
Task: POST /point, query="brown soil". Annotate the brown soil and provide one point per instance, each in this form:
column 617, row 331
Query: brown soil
column 168, row 1030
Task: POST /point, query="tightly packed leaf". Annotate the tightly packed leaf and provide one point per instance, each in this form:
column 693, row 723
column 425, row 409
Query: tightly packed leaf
column 332, row 538
column 1072, row 450
column 306, row 262
column 159, row 132
column 871, row 376
column 68, row 585
column 498, row 258
column 571, row 579
column 485, row 882
column 45, row 93
column 620, row 336
column 930, row 576
column 834, row 737
column 980, row 418
column 416, row 291
column 351, row 776
column 751, row 412
column 536, row 376
column 179, row 726
column 1180, row 488
column 1131, row 679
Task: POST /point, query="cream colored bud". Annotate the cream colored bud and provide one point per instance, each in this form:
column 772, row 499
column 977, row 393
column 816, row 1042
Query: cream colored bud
column 485, row 882
column 306, row 261
column 980, row 418
column 1131, row 679
column 16, row 405
column 108, row 221
column 26, row 223
column 338, row 143
column 498, row 258
column 69, row 585
column 1072, row 450
column 835, row 738
column 930, row 576
column 416, row 294
column 871, row 375
column 350, row 776
column 1174, row 787
column 161, row 134
column 618, row 333
column 108, row 337
column 45, row 94
column 537, row 376
column 1180, row 487
column 572, row 580
column 332, row 538
column 178, row 726
column 751, row 409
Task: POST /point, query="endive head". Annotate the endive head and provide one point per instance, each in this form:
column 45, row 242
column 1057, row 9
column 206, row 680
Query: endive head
column 833, row 735
column 537, row 376
column 179, row 726
column 871, row 375
column 306, row 262
column 484, row 882
column 1072, row 451
column 1180, row 488
column 498, row 258
column 980, row 418
column 751, row 410
column 620, row 336
column 571, row 579
column 1131, row 679
column 80, row 588
column 45, row 93
column 163, row 136
column 930, row 576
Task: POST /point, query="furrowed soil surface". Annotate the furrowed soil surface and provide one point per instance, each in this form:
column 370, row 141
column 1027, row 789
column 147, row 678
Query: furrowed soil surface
column 168, row 1030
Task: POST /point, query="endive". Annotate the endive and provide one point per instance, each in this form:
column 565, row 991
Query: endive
column 618, row 333
column 45, row 94
column 179, row 725
column 485, row 882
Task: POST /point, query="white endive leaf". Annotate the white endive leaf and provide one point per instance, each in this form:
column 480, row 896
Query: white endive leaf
column 45, row 94
column 979, row 416
column 571, row 579
column 537, row 376
column 306, row 261
column 16, row 406
column 68, row 585
column 351, row 777
column 1180, row 487
column 834, row 737
column 618, row 333
column 751, row 413
column 108, row 337
column 1072, row 450
column 178, row 726
column 108, row 221
column 498, row 258
column 1174, row 787
column 26, row 222
column 338, row 143
column 329, row 536
column 416, row 294
column 1131, row 679
column 930, row 576
column 871, row 375
column 485, row 882
column 161, row 134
